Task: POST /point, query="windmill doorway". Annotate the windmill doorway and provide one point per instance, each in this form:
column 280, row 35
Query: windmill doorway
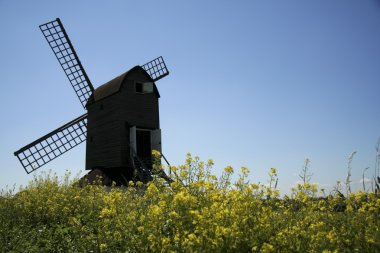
column 143, row 141
column 143, row 145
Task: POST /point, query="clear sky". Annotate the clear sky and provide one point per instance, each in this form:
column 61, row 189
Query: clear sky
column 252, row 83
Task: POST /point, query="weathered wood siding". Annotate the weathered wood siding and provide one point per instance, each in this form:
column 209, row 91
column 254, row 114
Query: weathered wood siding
column 103, row 135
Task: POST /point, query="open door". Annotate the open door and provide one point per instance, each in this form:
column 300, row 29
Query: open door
column 132, row 138
column 156, row 140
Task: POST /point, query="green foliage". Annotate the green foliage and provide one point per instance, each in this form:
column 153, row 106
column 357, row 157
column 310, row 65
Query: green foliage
column 198, row 212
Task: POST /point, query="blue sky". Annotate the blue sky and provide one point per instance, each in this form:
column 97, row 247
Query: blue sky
column 252, row 83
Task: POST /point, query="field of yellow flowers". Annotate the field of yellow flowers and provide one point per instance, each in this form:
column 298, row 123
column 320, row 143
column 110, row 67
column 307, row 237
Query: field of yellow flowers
column 197, row 213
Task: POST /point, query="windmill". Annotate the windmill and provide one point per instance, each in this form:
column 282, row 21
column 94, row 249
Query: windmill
column 120, row 127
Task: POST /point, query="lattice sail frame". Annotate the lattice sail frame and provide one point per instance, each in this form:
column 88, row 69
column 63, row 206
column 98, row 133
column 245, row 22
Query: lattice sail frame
column 60, row 43
column 156, row 68
column 52, row 145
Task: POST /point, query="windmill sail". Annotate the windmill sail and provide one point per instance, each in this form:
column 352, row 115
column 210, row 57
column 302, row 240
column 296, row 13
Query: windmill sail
column 60, row 43
column 52, row 145
column 156, row 68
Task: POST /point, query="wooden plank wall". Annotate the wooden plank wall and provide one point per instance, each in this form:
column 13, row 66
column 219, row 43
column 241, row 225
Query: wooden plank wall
column 109, row 120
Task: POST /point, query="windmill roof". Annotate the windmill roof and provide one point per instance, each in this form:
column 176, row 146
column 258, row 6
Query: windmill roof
column 113, row 86
column 109, row 87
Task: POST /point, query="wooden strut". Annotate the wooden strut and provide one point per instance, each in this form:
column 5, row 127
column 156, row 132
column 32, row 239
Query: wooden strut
column 75, row 54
